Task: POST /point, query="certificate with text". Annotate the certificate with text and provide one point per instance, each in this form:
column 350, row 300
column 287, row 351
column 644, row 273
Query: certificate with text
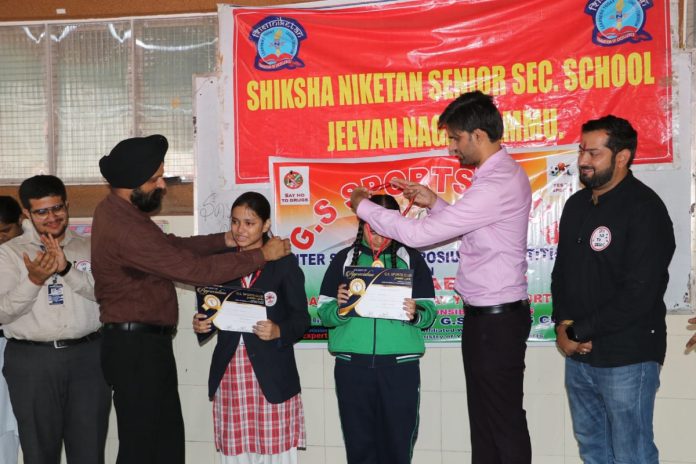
column 232, row 308
column 377, row 292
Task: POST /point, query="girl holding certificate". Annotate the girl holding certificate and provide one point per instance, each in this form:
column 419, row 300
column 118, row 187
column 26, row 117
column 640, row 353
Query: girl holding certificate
column 257, row 407
column 377, row 369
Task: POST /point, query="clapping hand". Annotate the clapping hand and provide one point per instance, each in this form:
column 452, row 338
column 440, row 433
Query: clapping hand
column 53, row 247
column 41, row 268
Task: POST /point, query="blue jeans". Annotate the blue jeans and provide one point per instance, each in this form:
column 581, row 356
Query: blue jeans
column 612, row 411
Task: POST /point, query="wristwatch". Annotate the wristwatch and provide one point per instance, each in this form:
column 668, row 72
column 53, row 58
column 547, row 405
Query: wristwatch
column 65, row 271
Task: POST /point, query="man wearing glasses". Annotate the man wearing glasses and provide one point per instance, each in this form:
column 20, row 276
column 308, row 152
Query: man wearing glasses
column 50, row 317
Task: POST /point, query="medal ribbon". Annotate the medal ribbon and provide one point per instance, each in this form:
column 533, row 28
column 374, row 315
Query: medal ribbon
column 410, row 202
column 375, row 255
column 248, row 281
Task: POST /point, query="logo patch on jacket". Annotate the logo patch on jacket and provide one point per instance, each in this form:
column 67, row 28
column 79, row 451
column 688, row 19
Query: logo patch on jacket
column 271, row 298
column 600, row 238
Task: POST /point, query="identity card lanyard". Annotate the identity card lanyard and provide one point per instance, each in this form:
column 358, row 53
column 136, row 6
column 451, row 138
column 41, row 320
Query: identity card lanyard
column 55, row 290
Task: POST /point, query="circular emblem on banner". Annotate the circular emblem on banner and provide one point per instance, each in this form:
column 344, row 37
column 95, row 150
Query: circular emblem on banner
column 618, row 21
column 277, row 40
column 271, row 298
column 618, row 17
column 600, row 238
column 293, row 180
column 83, row 265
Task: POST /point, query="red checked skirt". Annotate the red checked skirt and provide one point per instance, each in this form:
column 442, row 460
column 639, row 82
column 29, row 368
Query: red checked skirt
column 245, row 422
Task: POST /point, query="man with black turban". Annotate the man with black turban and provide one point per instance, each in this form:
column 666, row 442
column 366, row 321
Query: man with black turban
column 135, row 265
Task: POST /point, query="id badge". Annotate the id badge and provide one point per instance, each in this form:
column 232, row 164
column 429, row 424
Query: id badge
column 55, row 294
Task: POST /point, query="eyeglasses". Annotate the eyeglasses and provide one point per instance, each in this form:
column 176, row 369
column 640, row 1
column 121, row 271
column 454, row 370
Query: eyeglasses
column 42, row 213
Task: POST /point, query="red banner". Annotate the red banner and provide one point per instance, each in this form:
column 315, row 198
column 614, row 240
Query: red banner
column 371, row 79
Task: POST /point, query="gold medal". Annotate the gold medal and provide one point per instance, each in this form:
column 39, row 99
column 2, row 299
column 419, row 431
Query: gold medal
column 377, row 263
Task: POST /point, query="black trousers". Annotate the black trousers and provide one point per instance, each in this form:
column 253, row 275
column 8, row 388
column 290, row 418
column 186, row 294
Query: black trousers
column 493, row 348
column 59, row 396
column 141, row 370
column 378, row 405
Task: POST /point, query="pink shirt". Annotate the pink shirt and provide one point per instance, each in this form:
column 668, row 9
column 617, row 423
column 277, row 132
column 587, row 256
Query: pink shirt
column 490, row 219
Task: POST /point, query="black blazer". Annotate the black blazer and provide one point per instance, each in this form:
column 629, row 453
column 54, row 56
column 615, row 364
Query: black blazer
column 273, row 361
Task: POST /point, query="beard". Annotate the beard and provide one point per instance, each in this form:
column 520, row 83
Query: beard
column 599, row 178
column 147, row 202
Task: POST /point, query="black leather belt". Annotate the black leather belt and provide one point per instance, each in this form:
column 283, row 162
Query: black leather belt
column 141, row 327
column 59, row 343
column 470, row 310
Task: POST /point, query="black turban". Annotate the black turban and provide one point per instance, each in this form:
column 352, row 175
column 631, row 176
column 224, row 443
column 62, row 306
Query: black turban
column 133, row 161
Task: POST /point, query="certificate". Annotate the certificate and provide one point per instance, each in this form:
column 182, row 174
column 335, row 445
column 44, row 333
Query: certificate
column 232, row 308
column 377, row 292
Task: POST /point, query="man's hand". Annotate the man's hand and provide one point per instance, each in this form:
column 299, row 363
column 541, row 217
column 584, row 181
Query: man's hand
column 692, row 340
column 568, row 346
column 267, row 330
column 54, row 248
column 358, row 195
column 41, row 268
column 275, row 248
column 229, row 239
column 420, row 194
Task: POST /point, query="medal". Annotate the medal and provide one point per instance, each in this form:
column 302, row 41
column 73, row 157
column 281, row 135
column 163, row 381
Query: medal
column 377, row 263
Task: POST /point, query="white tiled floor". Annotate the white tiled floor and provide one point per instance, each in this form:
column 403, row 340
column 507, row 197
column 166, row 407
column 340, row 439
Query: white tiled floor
column 444, row 431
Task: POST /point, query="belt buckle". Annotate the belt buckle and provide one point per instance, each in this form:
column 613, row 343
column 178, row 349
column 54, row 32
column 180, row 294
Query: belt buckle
column 58, row 345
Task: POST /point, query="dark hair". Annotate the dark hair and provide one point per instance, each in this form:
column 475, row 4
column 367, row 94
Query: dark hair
column 471, row 111
column 9, row 210
column 621, row 135
column 388, row 202
column 258, row 204
column 41, row 186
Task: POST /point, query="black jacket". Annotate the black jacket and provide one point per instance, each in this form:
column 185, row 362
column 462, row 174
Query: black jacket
column 273, row 361
column 610, row 274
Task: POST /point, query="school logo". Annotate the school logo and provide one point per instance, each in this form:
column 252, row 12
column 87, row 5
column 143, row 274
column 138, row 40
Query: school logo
column 293, row 180
column 600, row 238
column 277, row 42
column 618, row 21
column 83, row 265
column 271, row 298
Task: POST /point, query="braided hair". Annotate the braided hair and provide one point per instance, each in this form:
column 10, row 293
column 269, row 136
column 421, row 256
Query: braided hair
column 388, row 202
